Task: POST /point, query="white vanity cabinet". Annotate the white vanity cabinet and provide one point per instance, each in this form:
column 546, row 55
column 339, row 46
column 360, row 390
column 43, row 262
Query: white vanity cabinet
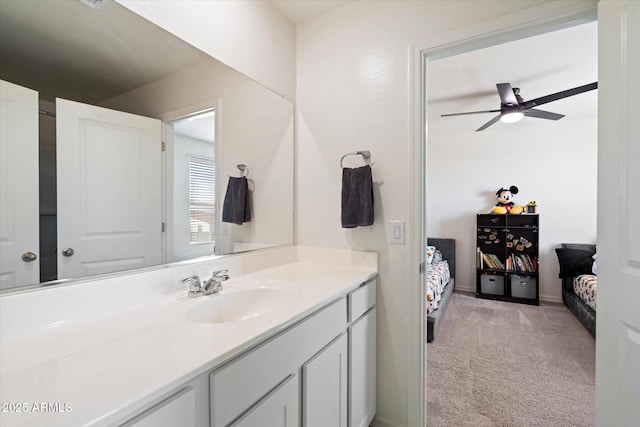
column 362, row 355
column 280, row 408
column 176, row 410
column 317, row 372
column 187, row 407
column 253, row 383
column 324, row 386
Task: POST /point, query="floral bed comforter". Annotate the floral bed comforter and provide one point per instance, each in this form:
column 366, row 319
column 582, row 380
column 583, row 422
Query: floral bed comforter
column 437, row 275
column 585, row 287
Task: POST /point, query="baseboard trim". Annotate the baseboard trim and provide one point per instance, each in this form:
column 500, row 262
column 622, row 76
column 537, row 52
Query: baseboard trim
column 461, row 288
column 550, row 298
column 379, row 422
column 545, row 298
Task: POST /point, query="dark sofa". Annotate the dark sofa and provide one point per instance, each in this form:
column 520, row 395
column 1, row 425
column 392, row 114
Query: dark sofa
column 585, row 314
column 448, row 249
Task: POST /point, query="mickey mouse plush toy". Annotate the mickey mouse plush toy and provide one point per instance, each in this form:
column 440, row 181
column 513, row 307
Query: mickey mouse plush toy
column 505, row 204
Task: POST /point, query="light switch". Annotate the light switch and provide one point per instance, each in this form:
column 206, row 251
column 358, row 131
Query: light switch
column 397, row 232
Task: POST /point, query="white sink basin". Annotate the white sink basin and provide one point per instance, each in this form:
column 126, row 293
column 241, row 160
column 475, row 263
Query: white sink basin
column 242, row 301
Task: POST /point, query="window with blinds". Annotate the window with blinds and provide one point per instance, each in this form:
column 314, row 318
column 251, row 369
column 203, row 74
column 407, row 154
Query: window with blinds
column 202, row 196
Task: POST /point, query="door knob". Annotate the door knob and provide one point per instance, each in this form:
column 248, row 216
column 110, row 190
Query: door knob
column 67, row 252
column 29, row 257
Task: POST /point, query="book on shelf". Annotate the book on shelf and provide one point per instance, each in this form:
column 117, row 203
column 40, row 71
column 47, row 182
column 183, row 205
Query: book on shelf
column 491, row 261
column 522, row 262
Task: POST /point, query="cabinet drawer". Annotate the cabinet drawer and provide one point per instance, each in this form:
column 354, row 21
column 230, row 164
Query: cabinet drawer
column 522, row 220
column 491, row 220
column 238, row 385
column 361, row 300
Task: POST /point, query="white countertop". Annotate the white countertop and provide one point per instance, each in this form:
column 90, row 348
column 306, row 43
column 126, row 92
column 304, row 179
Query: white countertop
column 97, row 369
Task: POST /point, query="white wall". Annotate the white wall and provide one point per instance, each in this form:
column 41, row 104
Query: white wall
column 254, row 127
column 252, row 37
column 552, row 163
column 354, row 93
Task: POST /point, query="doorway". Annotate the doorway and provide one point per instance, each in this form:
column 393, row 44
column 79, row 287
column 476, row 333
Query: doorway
column 191, row 186
column 457, row 187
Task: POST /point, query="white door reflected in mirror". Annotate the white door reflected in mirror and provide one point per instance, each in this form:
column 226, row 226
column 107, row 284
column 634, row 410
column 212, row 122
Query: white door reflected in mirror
column 18, row 186
column 109, row 201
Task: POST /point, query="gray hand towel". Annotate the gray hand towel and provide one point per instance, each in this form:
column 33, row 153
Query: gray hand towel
column 357, row 197
column 236, row 201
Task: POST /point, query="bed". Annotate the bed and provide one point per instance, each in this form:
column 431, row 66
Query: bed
column 578, row 282
column 434, row 276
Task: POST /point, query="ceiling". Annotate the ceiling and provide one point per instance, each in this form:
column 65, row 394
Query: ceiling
column 300, row 10
column 97, row 54
column 201, row 126
column 539, row 66
column 65, row 48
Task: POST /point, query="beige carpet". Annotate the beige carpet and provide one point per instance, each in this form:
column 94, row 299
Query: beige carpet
column 504, row 364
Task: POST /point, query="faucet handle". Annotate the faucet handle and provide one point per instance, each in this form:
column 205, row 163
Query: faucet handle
column 195, row 287
column 191, row 279
column 219, row 272
column 220, row 275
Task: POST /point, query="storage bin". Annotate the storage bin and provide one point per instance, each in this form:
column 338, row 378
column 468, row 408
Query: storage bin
column 492, row 284
column 523, row 286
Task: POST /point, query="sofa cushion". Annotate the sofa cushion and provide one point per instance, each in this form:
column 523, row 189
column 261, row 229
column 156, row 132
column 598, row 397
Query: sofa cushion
column 574, row 262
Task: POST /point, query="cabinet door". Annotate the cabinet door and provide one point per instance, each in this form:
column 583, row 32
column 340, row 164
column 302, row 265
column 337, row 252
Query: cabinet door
column 278, row 408
column 324, row 387
column 362, row 370
column 178, row 410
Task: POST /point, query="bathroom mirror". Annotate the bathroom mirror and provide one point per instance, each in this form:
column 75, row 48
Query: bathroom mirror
column 111, row 58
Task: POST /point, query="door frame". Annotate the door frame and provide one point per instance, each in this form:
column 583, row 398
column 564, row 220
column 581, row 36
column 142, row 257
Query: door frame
column 541, row 19
column 167, row 119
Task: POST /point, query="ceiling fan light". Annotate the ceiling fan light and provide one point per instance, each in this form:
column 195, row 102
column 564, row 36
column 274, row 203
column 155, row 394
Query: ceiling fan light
column 511, row 116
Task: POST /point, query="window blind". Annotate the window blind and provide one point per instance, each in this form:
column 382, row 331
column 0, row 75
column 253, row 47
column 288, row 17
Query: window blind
column 202, row 197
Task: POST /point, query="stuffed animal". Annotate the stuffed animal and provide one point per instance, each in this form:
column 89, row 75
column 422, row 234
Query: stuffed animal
column 505, row 204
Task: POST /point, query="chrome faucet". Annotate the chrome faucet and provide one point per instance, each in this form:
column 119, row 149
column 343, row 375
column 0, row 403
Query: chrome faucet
column 195, row 287
column 214, row 284
column 211, row 286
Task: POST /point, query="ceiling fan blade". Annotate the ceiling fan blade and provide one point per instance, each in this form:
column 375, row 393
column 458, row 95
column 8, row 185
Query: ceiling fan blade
column 489, row 123
column 542, row 114
column 506, row 94
column 470, row 112
column 559, row 95
column 465, row 97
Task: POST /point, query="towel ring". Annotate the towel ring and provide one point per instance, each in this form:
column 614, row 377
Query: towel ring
column 366, row 154
column 243, row 168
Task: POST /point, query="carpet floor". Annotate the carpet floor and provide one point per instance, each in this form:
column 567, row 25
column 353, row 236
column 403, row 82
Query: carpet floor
column 503, row 364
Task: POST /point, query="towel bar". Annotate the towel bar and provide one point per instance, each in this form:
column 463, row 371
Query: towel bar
column 364, row 153
column 243, row 168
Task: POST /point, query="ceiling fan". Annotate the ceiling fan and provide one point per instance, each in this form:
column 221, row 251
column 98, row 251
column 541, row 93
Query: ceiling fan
column 513, row 108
